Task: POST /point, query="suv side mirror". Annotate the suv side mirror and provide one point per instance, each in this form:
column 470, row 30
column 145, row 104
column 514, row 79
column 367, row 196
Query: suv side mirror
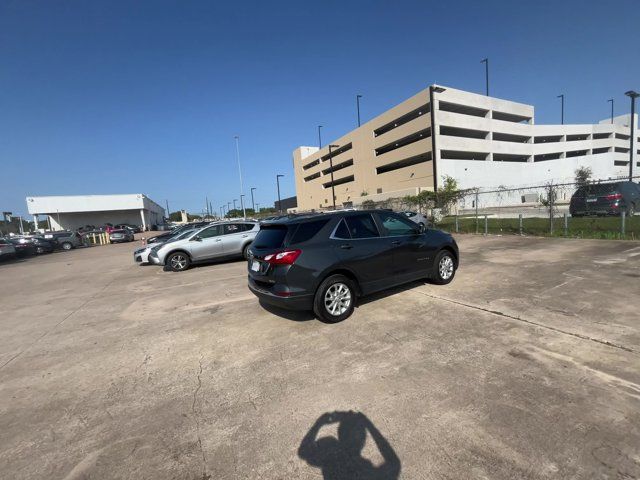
column 197, row 238
column 422, row 228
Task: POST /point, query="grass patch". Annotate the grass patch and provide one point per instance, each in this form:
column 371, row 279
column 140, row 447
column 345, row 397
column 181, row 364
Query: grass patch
column 583, row 227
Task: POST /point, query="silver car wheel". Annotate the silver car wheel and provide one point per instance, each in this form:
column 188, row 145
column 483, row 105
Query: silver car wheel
column 178, row 262
column 445, row 267
column 337, row 299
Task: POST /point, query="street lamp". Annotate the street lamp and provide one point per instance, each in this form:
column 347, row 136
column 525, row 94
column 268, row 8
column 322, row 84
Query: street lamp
column 632, row 95
column 234, row 203
column 486, row 73
column 253, row 204
column 358, row 97
column 244, row 215
column 228, row 207
column 561, row 97
column 257, row 207
column 222, row 212
column 611, row 100
column 278, row 184
column 319, row 137
column 333, row 193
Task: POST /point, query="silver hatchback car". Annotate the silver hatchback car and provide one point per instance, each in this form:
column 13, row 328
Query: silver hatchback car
column 217, row 241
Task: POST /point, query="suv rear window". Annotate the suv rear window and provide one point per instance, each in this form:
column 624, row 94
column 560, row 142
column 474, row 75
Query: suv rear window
column 307, row 230
column 271, row 236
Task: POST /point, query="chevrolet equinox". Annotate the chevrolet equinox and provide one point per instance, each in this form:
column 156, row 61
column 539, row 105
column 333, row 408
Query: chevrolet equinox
column 324, row 262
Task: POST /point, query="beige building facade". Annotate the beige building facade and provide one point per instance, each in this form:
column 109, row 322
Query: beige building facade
column 480, row 141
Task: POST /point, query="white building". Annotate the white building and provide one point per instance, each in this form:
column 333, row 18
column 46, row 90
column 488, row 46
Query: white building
column 74, row 211
column 483, row 142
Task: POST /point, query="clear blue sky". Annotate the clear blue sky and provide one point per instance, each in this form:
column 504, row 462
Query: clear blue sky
column 146, row 96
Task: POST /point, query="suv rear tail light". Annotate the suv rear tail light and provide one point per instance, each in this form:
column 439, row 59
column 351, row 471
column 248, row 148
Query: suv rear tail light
column 287, row 257
column 614, row 196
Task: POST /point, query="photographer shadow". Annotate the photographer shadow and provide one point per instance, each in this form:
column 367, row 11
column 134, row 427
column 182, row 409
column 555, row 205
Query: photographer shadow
column 341, row 458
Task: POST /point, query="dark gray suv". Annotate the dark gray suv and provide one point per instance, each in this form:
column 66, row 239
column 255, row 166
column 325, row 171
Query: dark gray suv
column 323, row 262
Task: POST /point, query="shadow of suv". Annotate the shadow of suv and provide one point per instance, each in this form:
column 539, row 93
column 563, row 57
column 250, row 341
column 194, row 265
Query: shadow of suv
column 323, row 262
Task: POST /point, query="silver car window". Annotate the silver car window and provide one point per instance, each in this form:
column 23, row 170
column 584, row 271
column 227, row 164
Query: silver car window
column 209, row 232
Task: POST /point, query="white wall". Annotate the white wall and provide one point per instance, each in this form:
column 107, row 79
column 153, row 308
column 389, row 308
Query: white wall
column 72, row 221
column 493, row 175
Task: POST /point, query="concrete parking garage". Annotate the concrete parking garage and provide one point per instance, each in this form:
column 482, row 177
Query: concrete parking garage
column 526, row 366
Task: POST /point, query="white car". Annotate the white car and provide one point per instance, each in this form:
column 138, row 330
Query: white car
column 142, row 254
column 418, row 218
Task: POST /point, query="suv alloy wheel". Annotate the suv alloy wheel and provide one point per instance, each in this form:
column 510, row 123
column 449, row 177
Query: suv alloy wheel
column 335, row 299
column 178, row 261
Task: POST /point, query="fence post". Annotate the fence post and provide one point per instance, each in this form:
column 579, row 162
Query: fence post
column 551, row 202
column 520, row 223
column 566, row 224
column 486, row 225
column 457, row 228
column 623, row 216
column 477, row 226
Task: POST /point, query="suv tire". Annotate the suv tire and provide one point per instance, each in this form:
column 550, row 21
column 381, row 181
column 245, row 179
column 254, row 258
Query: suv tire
column 178, row 262
column 335, row 299
column 444, row 267
column 66, row 245
column 245, row 251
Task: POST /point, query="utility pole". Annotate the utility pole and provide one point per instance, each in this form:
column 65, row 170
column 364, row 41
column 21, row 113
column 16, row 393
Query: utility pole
column 319, row 137
column 486, row 73
column 358, row 97
column 632, row 95
column 168, row 211
column 278, row 184
column 561, row 97
column 333, row 193
column 244, row 215
column 611, row 100
column 253, row 203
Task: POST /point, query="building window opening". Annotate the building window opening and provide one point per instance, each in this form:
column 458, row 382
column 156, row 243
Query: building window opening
column 457, row 155
column 407, row 162
column 463, row 132
column 507, row 137
column 406, row 118
column 408, row 140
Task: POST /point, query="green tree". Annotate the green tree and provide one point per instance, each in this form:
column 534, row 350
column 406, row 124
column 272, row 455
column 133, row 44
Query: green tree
column 583, row 175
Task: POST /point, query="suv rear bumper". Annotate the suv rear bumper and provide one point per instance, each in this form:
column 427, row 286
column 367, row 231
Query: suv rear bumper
column 294, row 302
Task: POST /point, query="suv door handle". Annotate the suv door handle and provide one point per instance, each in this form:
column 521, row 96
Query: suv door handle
column 218, row 239
column 396, row 242
column 346, row 246
column 245, row 236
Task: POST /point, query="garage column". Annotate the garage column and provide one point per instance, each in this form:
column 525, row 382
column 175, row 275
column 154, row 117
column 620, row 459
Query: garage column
column 144, row 223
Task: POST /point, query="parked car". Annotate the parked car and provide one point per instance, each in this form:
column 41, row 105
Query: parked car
column 166, row 235
column 64, row 239
column 43, row 245
column 605, row 199
column 217, row 241
column 142, row 254
column 24, row 247
column 325, row 262
column 418, row 218
column 119, row 236
column 7, row 250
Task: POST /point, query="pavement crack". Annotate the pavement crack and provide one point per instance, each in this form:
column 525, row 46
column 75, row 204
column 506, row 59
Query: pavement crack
column 531, row 322
column 196, row 414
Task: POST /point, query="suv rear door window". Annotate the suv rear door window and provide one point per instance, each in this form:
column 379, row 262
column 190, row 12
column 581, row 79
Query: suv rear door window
column 230, row 228
column 271, row 236
column 362, row 226
column 307, row 230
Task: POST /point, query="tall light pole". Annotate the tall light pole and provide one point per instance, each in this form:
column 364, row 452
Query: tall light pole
column 632, row 95
column 561, row 97
column 253, row 203
column 234, row 203
column 222, row 212
column 333, row 193
column 278, row 184
column 358, row 97
column 244, row 215
column 168, row 211
column 611, row 100
column 228, row 207
column 319, row 137
column 257, row 207
column 486, row 73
